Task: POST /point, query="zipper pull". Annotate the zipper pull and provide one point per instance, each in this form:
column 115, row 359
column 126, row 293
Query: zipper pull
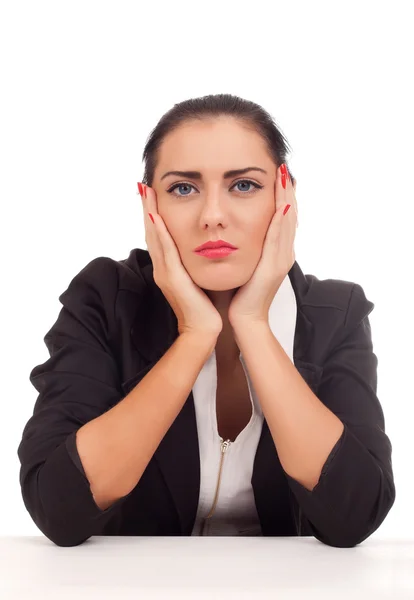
column 224, row 445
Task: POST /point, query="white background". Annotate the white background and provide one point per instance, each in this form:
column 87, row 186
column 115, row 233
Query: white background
column 83, row 84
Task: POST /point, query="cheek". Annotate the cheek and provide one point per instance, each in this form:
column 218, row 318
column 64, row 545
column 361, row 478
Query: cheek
column 180, row 231
column 257, row 229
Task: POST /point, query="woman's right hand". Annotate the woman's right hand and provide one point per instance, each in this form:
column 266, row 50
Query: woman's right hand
column 193, row 308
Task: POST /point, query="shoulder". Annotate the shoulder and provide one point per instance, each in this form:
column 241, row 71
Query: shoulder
column 335, row 309
column 90, row 300
column 345, row 298
column 97, row 279
column 104, row 276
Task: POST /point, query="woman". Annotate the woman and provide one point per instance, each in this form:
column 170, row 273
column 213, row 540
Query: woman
column 209, row 393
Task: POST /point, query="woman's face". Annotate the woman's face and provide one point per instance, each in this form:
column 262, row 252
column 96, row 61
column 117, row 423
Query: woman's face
column 237, row 209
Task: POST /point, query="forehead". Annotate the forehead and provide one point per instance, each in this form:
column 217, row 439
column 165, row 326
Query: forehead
column 212, row 146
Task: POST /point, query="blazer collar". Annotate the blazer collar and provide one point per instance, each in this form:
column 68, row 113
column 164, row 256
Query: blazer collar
column 153, row 331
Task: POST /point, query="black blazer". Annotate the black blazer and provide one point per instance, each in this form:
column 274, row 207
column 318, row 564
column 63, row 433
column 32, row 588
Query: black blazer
column 114, row 326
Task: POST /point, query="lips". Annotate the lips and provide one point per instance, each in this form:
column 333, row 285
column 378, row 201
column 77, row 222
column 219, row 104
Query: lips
column 214, row 245
column 216, row 252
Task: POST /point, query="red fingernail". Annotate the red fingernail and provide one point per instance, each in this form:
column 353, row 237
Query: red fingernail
column 140, row 189
column 287, row 208
column 151, row 217
column 284, row 170
column 284, row 180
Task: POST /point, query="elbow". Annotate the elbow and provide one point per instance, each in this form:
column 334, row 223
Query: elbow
column 64, row 540
column 58, row 518
column 339, row 542
column 336, row 539
column 61, row 533
column 356, row 533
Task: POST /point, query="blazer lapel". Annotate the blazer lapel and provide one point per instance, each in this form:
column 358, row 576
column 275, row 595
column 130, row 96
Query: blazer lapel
column 153, row 332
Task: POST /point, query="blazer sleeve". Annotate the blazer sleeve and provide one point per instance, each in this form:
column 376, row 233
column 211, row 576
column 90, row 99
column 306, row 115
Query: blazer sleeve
column 79, row 382
column 356, row 487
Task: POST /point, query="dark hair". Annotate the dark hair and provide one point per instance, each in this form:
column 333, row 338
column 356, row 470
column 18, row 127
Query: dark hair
column 247, row 113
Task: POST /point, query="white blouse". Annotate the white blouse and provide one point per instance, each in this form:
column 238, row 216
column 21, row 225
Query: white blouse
column 233, row 511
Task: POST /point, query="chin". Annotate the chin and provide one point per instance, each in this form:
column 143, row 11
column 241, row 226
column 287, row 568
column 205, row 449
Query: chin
column 216, row 277
column 216, row 288
column 219, row 284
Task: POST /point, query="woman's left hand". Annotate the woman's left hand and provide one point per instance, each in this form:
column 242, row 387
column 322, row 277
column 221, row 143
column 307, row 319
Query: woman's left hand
column 252, row 301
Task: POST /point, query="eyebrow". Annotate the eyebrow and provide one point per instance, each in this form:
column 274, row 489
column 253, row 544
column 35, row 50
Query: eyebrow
column 226, row 175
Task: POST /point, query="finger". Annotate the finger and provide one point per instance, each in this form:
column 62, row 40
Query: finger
column 292, row 187
column 169, row 248
column 152, row 238
column 280, row 190
column 296, row 203
column 149, row 206
column 171, row 254
column 150, row 200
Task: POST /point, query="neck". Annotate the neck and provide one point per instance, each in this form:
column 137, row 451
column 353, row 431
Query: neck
column 227, row 350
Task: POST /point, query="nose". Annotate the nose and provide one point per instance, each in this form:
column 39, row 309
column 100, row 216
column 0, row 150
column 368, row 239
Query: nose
column 214, row 210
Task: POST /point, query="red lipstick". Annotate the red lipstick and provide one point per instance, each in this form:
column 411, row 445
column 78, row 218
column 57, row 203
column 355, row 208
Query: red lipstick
column 215, row 249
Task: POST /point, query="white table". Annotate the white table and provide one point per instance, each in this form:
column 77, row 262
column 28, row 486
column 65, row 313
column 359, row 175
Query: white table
column 280, row 568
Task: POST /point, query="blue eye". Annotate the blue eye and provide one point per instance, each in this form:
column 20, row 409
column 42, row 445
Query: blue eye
column 248, row 181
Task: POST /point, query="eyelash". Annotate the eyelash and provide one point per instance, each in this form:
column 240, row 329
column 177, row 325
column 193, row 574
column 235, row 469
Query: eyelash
column 256, row 185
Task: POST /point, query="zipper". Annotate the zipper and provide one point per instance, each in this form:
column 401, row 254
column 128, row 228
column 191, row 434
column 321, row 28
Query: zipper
column 223, row 447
